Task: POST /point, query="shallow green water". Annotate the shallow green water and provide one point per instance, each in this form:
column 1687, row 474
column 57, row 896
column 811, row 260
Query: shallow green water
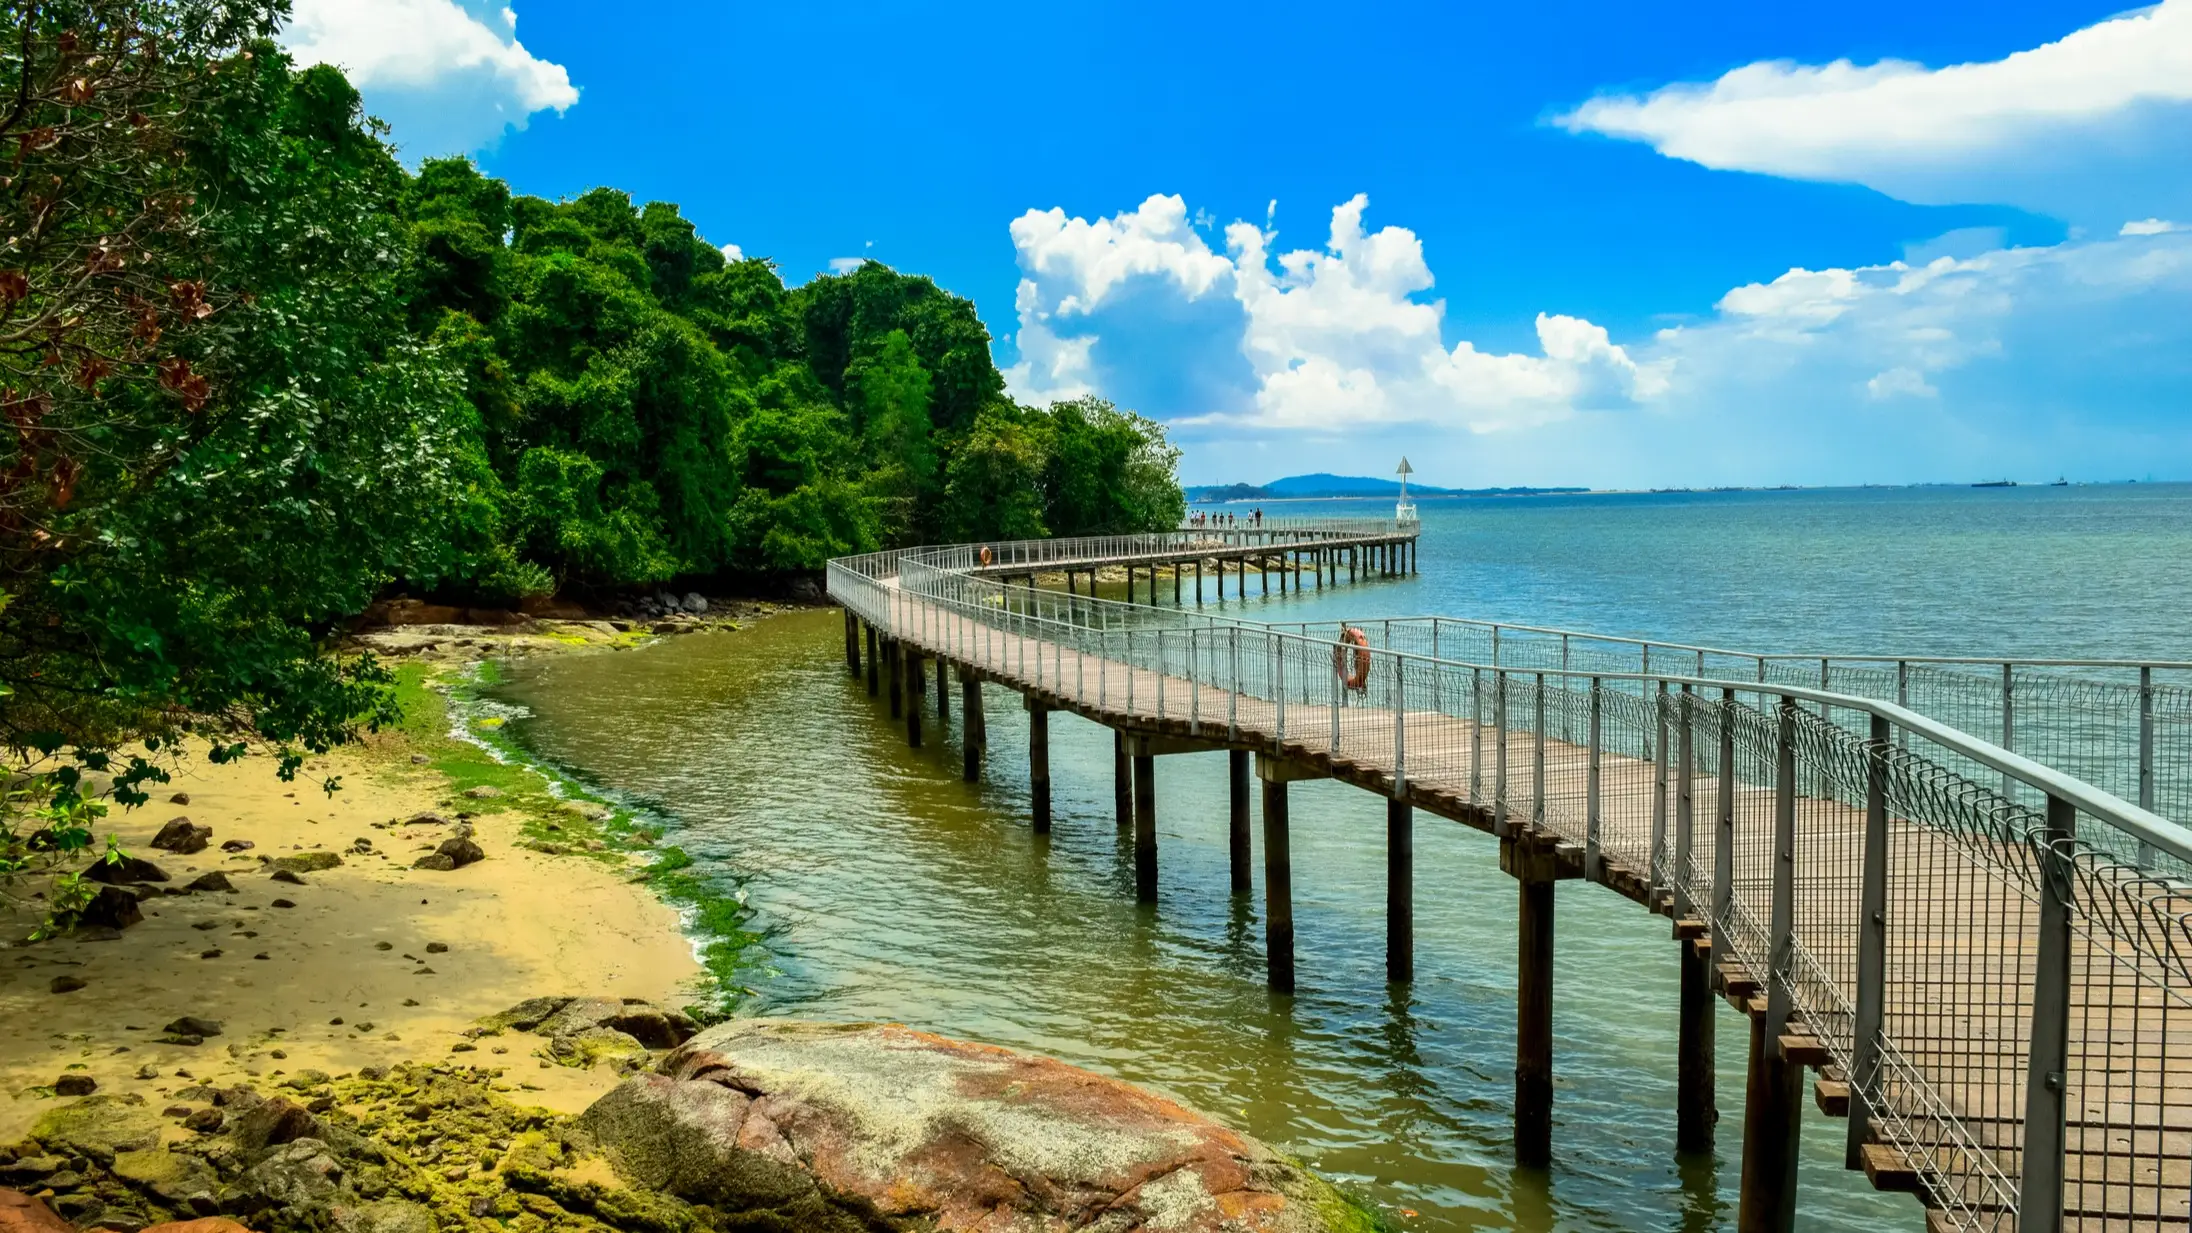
column 893, row 891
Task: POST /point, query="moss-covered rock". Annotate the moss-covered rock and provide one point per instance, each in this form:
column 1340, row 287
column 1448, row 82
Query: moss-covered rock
column 99, row 1127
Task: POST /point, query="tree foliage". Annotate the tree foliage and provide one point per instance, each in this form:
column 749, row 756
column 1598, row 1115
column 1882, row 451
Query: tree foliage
column 256, row 374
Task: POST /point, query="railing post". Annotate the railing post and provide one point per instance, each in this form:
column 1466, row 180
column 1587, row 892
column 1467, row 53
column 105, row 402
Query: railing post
column 1781, row 950
column 1500, row 825
column 1278, row 689
column 2040, row 1186
column 1684, row 807
column 1476, row 734
column 2146, row 757
column 1233, row 696
column 1594, row 866
column 1400, row 727
column 2009, row 727
column 1537, row 758
column 1339, row 699
column 1654, row 864
column 1723, row 888
column 1872, row 949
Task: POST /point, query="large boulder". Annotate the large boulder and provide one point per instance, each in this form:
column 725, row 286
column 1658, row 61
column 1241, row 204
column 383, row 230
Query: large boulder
column 832, row 1127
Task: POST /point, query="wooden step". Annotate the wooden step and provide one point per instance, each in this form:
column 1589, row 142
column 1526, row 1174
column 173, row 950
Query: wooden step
column 1832, row 1096
column 1888, row 1169
column 1804, row 1050
column 1690, row 927
column 1735, row 982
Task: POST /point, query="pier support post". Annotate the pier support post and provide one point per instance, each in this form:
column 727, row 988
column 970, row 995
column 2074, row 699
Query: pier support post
column 1145, row 828
column 1773, row 1108
column 1122, row 774
column 1039, row 764
column 1400, row 892
column 1278, row 891
column 1198, row 583
column 875, row 682
column 915, row 687
column 852, row 643
column 1175, row 584
column 1237, row 842
column 1695, row 1111
column 943, row 697
column 1534, row 1025
column 896, row 651
column 973, row 726
column 1263, row 574
column 1537, row 861
column 1354, row 565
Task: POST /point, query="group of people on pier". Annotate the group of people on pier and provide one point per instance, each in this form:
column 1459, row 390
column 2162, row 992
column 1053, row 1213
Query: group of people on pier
column 1205, row 518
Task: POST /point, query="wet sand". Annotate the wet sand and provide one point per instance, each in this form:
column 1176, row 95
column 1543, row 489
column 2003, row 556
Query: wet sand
column 345, row 978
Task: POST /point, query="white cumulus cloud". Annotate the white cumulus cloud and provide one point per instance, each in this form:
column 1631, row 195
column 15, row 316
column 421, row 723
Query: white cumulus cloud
column 2022, row 361
column 1332, row 338
column 450, row 78
column 2148, row 226
column 2092, row 123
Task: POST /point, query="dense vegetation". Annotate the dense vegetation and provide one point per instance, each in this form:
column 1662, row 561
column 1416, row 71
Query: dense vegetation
column 257, row 374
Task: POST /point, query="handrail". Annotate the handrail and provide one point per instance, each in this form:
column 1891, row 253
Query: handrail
column 2071, row 884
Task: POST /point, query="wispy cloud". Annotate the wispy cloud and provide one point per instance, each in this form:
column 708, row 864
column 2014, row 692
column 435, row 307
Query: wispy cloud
column 2087, row 127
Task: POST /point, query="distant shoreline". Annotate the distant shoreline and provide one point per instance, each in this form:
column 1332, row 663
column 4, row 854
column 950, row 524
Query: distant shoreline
column 1616, row 492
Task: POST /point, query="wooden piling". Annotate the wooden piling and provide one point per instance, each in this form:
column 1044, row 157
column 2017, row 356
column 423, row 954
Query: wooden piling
column 1534, row 1024
column 875, row 683
column 852, row 643
column 915, row 687
column 1175, row 584
column 1122, row 774
column 1237, row 843
column 1145, row 828
column 1400, row 892
column 1278, row 891
column 1695, row 1112
column 1773, row 1119
column 1039, row 765
column 893, row 649
column 1198, row 583
column 943, row 698
column 973, row 725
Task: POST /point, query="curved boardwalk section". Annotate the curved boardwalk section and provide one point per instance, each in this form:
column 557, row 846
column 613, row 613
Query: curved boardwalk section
column 1977, row 958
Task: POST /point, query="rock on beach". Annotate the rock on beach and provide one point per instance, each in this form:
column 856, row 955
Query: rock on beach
column 821, row 1125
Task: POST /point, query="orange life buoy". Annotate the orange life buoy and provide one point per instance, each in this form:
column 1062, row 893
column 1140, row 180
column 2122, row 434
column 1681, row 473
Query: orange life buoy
column 1351, row 659
column 985, row 555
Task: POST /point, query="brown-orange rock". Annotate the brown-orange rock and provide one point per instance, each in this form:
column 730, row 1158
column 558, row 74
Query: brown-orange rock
column 832, row 1127
column 20, row 1213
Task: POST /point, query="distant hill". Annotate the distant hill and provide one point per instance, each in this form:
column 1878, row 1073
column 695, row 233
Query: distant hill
column 1324, row 484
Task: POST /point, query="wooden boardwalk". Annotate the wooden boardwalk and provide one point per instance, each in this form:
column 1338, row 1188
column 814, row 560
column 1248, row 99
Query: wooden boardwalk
column 1960, row 948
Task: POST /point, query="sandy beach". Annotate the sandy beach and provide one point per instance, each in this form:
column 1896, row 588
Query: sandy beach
column 364, row 964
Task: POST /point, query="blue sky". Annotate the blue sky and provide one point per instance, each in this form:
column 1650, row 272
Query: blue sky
column 1611, row 244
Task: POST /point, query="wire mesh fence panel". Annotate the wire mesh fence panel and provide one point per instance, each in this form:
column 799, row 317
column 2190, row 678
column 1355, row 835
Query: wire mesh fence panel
column 2025, row 948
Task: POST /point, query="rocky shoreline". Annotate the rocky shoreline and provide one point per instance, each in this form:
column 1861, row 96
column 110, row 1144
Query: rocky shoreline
column 751, row 1125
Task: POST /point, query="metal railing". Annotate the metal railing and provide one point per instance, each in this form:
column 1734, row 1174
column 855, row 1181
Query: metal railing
column 1273, row 534
column 1993, row 951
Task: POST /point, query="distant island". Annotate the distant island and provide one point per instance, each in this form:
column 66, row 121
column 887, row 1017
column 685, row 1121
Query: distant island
column 1323, row 484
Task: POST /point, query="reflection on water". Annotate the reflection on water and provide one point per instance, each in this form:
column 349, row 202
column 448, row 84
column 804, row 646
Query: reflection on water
column 895, row 891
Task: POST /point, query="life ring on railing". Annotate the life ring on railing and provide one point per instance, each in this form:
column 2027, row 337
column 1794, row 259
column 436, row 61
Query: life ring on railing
column 1351, row 659
column 985, row 556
